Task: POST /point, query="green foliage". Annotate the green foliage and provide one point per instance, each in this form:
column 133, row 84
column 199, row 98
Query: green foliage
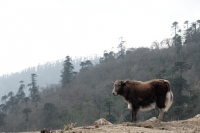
column 67, row 73
column 26, row 112
column 26, row 99
column 34, row 90
column 176, row 111
column 48, row 111
column 107, row 57
column 86, row 64
column 4, row 108
column 2, row 119
column 49, row 108
column 109, row 103
column 194, row 97
column 3, row 99
column 21, row 94
column 181, row 66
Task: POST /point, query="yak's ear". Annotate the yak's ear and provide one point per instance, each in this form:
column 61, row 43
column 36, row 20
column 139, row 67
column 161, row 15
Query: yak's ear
column 123, row 83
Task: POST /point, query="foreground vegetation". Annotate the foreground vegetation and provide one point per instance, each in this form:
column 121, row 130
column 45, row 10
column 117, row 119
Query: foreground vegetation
column 85, row 96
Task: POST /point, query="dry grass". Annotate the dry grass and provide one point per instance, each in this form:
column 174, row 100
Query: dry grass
column 150, row 126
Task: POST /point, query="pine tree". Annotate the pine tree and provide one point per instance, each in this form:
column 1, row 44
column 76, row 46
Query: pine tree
column 34, row 92
column 121, row 47
column 20, row 94
column 67, row 73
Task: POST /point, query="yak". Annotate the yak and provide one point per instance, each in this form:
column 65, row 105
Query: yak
column 145, row 95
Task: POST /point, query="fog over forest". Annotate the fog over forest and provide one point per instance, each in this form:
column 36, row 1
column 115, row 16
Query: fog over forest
column 47, row 74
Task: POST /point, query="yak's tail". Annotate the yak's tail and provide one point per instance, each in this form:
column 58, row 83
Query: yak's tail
column 169, row 97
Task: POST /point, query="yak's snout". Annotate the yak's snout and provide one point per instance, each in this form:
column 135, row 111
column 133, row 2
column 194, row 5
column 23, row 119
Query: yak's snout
column 114, row 92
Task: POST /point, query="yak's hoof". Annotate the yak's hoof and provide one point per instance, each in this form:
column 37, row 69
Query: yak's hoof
column 158, row 121
column 133, row 121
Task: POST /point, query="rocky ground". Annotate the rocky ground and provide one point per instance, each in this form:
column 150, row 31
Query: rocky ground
column 150, row 126
column 191, row 125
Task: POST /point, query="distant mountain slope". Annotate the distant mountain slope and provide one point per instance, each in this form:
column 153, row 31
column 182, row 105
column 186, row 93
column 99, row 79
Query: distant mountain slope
column 47, row 74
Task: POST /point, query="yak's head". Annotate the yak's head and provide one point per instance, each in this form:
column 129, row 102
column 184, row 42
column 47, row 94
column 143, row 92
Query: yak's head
column 118, row 87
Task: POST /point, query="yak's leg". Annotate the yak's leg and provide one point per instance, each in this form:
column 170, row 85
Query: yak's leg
column 134, row 113
column 161, row 113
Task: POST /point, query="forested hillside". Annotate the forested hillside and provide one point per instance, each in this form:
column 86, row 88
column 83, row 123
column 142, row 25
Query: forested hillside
column 47, row 74
column 85, row 96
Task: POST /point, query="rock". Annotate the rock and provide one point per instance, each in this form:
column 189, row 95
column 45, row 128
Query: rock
column 152, row 119
column 68, row 127
column 102, row 121
column 197, row 116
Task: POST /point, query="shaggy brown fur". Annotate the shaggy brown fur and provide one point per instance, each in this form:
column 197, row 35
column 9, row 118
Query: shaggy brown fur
column 145, row 95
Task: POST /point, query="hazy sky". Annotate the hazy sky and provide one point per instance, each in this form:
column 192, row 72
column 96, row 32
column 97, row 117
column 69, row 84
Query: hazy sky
column 38, row 31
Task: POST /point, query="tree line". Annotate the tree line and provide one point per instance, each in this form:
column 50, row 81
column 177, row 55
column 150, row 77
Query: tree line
column 84, row 96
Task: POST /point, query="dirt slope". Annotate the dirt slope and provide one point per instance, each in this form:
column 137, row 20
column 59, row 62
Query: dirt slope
column 191, row 125
column 150, row 126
